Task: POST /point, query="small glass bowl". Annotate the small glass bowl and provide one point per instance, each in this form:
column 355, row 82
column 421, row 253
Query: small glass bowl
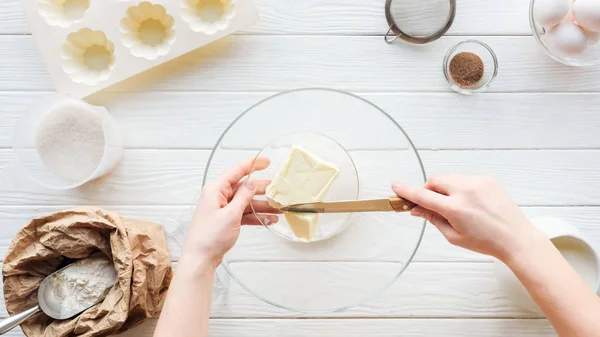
column 590, row 57
column 344, row 187
column 490, row 63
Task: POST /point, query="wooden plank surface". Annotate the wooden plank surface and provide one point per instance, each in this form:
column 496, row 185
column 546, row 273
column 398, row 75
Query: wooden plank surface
column 433, row 248
column 372, row 327
column 449, row 290
column 174, row 177
column 359, row 64
column 536, row 130
column 468, row 290
column 362, row 327
column 347, row 17
column 196, row 120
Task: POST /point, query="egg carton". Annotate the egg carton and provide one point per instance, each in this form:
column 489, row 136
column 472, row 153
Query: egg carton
column 88, row 45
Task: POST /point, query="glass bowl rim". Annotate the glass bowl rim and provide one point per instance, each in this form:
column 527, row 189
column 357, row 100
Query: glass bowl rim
column 225, row 264
column 533, row 25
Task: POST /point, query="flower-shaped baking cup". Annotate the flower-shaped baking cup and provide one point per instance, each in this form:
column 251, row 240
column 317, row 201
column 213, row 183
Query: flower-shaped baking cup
column 148, row 31
column 62, row 13
column 88, row 56
column 207, row 16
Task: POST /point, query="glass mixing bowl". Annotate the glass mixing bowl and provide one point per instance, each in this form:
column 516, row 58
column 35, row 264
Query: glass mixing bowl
column 355, row 257
column 590, row 57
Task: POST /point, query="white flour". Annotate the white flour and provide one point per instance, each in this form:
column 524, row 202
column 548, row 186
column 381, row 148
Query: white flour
column 70, row 140
column 83, row 284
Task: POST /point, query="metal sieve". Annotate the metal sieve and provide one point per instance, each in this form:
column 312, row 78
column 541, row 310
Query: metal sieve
column 417, row 21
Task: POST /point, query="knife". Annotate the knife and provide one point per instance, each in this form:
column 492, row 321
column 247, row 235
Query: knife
column 391, row 204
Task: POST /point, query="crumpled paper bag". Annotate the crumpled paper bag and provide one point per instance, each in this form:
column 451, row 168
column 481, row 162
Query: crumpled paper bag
column 139, row 252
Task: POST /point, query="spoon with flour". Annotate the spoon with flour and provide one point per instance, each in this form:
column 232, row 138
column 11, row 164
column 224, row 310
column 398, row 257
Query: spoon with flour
column 70, row 290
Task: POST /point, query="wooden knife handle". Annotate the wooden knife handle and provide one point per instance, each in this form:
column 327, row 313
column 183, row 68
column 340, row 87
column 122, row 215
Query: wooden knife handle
column 401, row 205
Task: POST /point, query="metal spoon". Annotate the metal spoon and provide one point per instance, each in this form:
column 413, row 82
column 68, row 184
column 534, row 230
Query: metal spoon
column 45, row 304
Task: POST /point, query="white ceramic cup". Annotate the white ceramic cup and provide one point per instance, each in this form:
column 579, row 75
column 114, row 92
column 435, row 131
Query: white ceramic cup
column 568, row 240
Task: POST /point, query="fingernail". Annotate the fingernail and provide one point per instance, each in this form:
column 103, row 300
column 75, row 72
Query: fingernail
column 250, row 184
column 397, row 185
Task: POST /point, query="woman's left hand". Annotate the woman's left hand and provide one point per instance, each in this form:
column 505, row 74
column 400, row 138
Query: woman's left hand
column 223, row 207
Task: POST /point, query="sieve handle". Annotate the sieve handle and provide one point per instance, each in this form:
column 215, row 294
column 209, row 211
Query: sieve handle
column 11, row 322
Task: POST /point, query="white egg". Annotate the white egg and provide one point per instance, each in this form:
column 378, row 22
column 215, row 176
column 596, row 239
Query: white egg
column 551, row 12
column 568, row 38
column 587, row 14
column 569, row 17
column 593, row 37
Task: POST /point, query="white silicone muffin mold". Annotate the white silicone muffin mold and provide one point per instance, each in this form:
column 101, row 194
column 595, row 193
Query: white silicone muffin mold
column 88, row 45
column 207, row 16
column 88, row 56
column 62, row 13
column 148, row 30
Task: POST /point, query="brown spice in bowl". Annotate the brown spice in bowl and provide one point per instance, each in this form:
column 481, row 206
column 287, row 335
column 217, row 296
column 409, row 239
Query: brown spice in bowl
column 466, row 69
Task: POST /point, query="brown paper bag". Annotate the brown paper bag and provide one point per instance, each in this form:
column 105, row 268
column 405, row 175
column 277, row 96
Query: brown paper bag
column 139, row 252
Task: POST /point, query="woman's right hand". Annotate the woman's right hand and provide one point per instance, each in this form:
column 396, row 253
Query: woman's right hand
column 475, row 213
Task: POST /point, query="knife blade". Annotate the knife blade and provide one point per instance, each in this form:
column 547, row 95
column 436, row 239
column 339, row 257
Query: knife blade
column 391, row 204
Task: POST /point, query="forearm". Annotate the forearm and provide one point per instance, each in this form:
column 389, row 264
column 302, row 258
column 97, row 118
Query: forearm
column 569, row 303
column 187, row 308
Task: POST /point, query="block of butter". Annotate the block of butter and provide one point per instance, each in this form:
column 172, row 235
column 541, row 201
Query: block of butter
column 303, row 178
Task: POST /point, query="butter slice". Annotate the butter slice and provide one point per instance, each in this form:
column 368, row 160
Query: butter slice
column 303, row 178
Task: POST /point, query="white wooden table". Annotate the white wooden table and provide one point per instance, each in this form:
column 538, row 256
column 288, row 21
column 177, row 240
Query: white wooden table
column 536, row 130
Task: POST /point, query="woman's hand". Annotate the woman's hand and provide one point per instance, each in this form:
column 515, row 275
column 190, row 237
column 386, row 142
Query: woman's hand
column 473, row 212
column 223, row 207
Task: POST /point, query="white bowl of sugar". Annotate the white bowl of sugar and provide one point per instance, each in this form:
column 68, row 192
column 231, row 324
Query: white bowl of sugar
column 573, row 246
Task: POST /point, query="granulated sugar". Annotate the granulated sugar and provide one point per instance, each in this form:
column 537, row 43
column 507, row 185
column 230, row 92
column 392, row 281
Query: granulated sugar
column 83, row 284
column 70, row 140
